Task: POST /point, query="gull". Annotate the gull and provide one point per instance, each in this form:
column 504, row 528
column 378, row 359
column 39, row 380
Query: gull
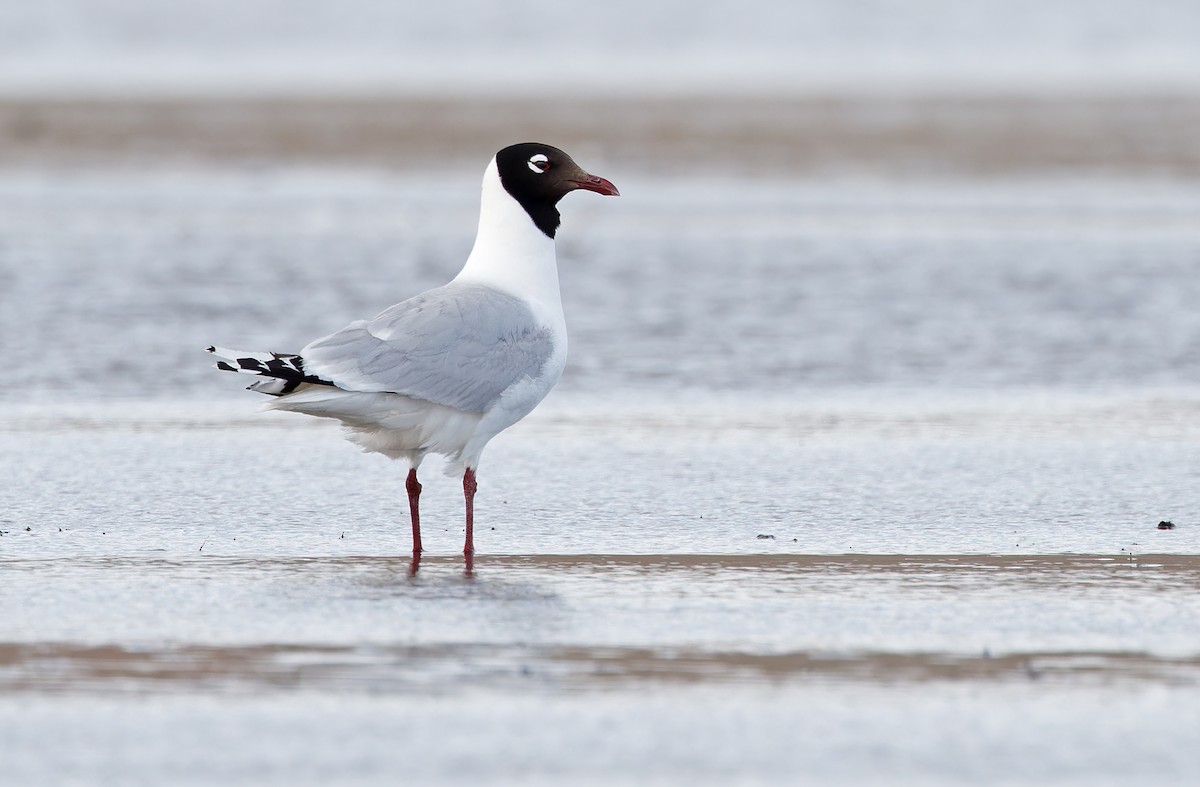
column 447, row 370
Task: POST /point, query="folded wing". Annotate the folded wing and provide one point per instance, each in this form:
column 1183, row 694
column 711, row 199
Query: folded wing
column 460, row 345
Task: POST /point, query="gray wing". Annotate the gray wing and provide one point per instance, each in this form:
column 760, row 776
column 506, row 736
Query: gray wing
column 460, row 345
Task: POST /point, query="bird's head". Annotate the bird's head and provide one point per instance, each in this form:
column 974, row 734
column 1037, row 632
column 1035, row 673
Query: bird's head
column 538, row 176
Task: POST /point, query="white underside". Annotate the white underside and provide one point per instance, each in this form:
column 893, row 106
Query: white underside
column 390, row 424
column 402, row 427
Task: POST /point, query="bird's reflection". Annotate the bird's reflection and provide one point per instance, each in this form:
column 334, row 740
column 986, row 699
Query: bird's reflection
column 468, row 565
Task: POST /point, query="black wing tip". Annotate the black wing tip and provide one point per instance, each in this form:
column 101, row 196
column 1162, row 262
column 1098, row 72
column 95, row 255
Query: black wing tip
column 225, row 367
column 210, row 349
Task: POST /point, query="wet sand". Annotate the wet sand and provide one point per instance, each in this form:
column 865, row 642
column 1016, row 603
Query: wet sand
column 687, row 654
column 172, row 659
column 883, row 134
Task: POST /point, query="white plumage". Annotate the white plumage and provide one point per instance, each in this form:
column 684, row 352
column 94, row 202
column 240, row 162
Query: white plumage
column 446, row 371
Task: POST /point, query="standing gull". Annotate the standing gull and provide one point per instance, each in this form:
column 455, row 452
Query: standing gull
column 446, row 371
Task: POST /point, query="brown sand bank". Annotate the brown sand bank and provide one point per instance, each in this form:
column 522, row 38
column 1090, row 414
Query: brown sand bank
column 932, row 136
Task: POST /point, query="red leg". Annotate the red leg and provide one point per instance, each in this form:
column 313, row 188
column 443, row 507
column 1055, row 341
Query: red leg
column 414, row 499
column 469, row 487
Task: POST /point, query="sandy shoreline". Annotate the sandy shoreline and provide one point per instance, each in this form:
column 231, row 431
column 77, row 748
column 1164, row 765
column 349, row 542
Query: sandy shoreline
column 884, row 135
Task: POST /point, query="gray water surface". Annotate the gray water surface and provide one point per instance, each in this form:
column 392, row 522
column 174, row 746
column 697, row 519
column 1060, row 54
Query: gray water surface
column 845, row 483
column 111, row 282
column 532, row 47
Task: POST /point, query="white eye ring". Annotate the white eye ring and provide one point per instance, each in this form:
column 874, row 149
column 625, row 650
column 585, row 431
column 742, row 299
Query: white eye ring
column 539, row 163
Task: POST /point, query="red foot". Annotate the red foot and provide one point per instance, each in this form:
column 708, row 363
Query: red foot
column 469, row 487
column 414, row 500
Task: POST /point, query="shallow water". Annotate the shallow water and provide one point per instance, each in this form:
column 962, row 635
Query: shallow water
column 843, row 481
column 757, row 288
column 595, row 622
column 534, row 48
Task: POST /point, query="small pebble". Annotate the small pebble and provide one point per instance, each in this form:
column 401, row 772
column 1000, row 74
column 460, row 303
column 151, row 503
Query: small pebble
column 1166, row 524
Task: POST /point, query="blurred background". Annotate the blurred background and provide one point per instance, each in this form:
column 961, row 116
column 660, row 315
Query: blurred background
column 542, row 49
column 926, row 87
column 930, row 195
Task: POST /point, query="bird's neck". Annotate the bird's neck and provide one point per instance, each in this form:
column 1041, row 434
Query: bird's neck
column 511, row 253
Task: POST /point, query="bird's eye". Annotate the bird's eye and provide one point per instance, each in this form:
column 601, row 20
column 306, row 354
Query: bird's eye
column 539, row 163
